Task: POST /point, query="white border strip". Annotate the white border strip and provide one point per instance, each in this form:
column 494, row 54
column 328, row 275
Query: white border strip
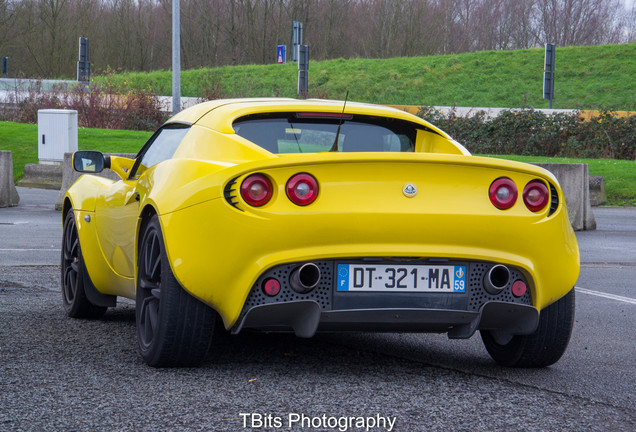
column 31, row 250
column 606, row 295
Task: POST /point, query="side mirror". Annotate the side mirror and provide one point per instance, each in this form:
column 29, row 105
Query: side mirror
column 88, row 161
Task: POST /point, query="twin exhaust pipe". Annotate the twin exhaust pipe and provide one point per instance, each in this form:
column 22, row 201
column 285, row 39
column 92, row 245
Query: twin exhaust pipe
column 305, row 278
column 496, row 279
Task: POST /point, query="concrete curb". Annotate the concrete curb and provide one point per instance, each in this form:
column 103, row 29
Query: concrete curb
column 574, row 180
column 42, row 176
column 598, row 196
column 8, row 193
column 70, row 176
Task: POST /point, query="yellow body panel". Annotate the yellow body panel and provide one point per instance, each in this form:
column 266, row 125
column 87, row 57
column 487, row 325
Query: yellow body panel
column 217, row 251
column 230, row 248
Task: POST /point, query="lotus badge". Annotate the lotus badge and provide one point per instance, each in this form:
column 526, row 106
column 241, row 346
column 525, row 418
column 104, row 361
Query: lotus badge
column 409, row 190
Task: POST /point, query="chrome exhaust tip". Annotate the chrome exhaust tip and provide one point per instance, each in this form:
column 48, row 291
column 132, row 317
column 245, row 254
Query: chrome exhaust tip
column 305, row 278
column 496, row 279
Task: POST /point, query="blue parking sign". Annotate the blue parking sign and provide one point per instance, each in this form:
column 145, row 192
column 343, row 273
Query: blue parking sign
column 281, row 54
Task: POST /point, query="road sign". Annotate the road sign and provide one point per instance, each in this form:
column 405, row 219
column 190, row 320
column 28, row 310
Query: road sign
column 281, row 54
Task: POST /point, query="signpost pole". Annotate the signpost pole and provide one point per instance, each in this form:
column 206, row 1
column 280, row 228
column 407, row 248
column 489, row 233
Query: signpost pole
column 548, row 73
column 303, row 70
column 176, row 58
column 83, row 63
column 297, row 39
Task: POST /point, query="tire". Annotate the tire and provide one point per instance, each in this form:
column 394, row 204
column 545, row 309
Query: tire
column 174, row 329
column 73, row 273
column 542, row 348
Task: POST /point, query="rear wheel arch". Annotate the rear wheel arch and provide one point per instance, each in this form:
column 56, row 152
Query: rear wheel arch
column 144, row 218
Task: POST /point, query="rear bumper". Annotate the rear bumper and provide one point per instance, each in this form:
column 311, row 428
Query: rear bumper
column 305, row 318
column 326, row 308
column 218, row 253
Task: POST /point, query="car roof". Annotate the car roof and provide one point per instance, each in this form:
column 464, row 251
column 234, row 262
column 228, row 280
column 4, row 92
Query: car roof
column 220, row 114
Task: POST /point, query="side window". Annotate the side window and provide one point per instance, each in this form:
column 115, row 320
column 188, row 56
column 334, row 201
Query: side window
column 160, row 147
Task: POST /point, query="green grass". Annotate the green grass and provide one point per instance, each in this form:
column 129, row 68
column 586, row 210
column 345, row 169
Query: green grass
column 21, row 139
column 587, row 77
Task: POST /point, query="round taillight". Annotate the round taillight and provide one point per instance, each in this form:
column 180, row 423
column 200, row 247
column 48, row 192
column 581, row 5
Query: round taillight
column 302, row 189
column 503, row 193
column 256, row 190
column 536, row 195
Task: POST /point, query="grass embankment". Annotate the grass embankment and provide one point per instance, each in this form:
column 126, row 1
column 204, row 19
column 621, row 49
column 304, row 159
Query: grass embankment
column 21, row 139
column 587, row 77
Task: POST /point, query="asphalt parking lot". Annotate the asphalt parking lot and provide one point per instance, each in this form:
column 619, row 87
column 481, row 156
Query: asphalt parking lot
column 61, row 374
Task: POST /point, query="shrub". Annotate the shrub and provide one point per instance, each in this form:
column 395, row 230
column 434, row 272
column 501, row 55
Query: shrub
column 210, row 86
column 97, row 106
column 533, row 133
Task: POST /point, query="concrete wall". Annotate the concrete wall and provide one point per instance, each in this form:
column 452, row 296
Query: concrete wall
column 42, row 176
column 598, row 196
column 8, row 193
column 69, row 175
column 574, row 180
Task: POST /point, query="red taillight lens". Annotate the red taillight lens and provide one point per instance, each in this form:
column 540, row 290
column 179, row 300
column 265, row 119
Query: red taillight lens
column 536, row 195
column 503, row 193
column 302, row 189
column 256, row 190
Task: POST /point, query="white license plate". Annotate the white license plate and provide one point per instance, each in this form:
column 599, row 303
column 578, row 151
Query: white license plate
column 401, row 278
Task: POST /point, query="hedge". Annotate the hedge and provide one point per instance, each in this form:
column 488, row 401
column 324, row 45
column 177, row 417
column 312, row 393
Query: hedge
column 533, row 133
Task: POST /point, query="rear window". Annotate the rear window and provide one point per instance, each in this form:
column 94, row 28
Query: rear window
column 313, row 133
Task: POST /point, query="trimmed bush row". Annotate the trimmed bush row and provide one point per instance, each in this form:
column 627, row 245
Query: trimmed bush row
column 533, row 133
column 513, row 132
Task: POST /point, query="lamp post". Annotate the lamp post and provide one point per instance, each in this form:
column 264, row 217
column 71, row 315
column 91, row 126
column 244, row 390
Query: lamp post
column 176, row 58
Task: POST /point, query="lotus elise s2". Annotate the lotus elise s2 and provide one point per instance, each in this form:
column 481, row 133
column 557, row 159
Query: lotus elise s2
column 311, row 215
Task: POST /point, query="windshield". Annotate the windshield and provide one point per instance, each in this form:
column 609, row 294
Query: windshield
column 316, row 132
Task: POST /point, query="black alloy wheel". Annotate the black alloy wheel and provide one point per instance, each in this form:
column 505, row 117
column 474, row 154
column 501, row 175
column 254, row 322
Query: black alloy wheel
column 73, row 271
column 149, row 288
column 544, row 346
column 173, row 328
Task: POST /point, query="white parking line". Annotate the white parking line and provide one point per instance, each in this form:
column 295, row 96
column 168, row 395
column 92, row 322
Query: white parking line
column 31, row 250
column 606, row 295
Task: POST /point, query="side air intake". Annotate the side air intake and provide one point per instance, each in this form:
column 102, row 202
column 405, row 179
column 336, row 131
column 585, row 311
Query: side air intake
column 554, row 200
column 231, row 193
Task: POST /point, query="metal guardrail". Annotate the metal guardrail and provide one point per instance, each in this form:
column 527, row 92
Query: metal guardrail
column 23, row 85
column 12, row 89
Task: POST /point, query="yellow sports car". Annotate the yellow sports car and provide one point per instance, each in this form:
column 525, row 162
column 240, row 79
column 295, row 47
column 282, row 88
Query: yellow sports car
column 314, row 215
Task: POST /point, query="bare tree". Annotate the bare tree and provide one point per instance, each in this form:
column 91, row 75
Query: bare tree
column 578, row 22
column 135, row 34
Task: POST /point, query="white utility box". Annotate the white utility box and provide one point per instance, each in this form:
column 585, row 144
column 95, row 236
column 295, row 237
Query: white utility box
column 57, row 134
